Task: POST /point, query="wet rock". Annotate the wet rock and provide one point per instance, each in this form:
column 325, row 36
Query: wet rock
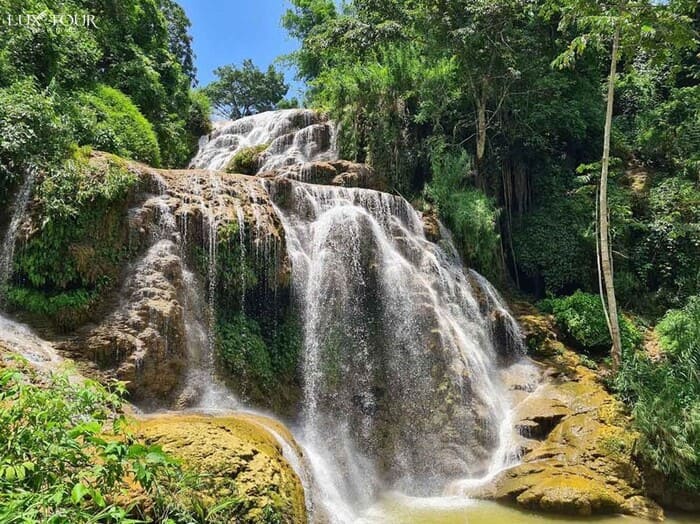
column 143, row 341
column 237, row 457
column 581, row 461
column 342, row 173
column 140, row 337
column 431, row 225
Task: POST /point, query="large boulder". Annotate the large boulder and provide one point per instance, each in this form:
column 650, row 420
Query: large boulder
column 237, row 457
column 579, row 447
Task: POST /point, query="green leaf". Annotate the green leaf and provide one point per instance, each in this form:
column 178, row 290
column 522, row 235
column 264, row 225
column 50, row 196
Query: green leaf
column 79, row 492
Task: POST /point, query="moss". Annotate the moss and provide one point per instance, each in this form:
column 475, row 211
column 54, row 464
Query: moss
column 240, row 462
column 236, row 272
column 580, row 458
column 79, row 239
column 247, row 160
column 262, row 359
column 244, row 353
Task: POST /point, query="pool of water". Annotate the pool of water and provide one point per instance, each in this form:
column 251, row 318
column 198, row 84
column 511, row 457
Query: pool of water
column 400, row 509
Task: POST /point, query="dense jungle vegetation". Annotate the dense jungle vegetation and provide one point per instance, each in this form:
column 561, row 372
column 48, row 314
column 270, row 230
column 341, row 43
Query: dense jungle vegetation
column 489, row 112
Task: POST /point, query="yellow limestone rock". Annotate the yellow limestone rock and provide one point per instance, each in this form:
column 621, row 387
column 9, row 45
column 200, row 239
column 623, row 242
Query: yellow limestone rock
column 580, row 457
column 236, row 456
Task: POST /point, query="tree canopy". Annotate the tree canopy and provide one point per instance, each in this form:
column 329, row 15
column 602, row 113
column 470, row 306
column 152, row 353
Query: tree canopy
column 141, row 48
column 246, row 90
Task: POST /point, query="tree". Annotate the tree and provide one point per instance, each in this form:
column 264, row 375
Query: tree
column 485, row 36
column 630, row 25
column 304, row 21
column 247, row 90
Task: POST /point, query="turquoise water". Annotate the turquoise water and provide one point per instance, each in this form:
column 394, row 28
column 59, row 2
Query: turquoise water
column 399, row 509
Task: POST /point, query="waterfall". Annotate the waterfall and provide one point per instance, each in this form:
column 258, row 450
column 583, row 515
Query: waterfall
column 17, row 337
column 401, row 385
column 293, row 136
column 7, row 249
column 403, row 348
column 21, row 340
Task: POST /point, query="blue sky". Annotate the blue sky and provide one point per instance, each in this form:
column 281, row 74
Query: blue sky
column 228, row 31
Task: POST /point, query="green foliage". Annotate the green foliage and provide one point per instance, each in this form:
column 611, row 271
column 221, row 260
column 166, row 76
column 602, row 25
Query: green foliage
column 31, row 132
column 288, row 103
column 307, row 21
column 667, row 253
column 468, row 212
column 554, row 241
column 82, row 240
column 239, row 92
column 234, row 268
column 67, row 455
column 665, row 396
column 109, row 121
column 140, row 47
column 66, row 56
column 198, row 118
column 670, row 132
column 399, row 77
column 261, row 355
column 582, row 318
column 375, row 102
column 67, row 309
column 243, row 351
column 247, row 160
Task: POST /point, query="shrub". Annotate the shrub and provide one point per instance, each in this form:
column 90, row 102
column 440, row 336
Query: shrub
column 198, row 120
column 67, row 309
column 247, row 160
column 107, row 119
column 30, row 132
column 68, row 456
column 468, row 212
column 582, row 318
column 665, row 396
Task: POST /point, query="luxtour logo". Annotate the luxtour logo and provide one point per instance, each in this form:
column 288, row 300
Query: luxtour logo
column 51, row 19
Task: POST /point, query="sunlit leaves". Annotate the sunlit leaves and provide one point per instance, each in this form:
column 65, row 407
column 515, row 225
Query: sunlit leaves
column 245, row 90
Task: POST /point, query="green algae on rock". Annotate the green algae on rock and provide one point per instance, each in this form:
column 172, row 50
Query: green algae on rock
column 237, row 459
column 579, row 456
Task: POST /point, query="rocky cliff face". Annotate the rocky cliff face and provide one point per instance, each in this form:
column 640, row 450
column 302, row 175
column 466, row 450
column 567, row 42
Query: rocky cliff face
column 186, row 221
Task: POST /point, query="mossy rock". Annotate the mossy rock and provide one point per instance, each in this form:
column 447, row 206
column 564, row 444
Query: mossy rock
column 76, row 239
column 237, row 458
column 247, row 160
column 580, row 459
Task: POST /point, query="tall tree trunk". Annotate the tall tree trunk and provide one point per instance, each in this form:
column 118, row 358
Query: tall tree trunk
column 480, row 129
column 605, row 254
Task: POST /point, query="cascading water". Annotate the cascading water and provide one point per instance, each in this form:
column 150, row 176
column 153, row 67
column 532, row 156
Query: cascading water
column 7, row 249
column 202, row 388
column 401, row 385
column 18, row 337
column 401, row 345
column 293, row 136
